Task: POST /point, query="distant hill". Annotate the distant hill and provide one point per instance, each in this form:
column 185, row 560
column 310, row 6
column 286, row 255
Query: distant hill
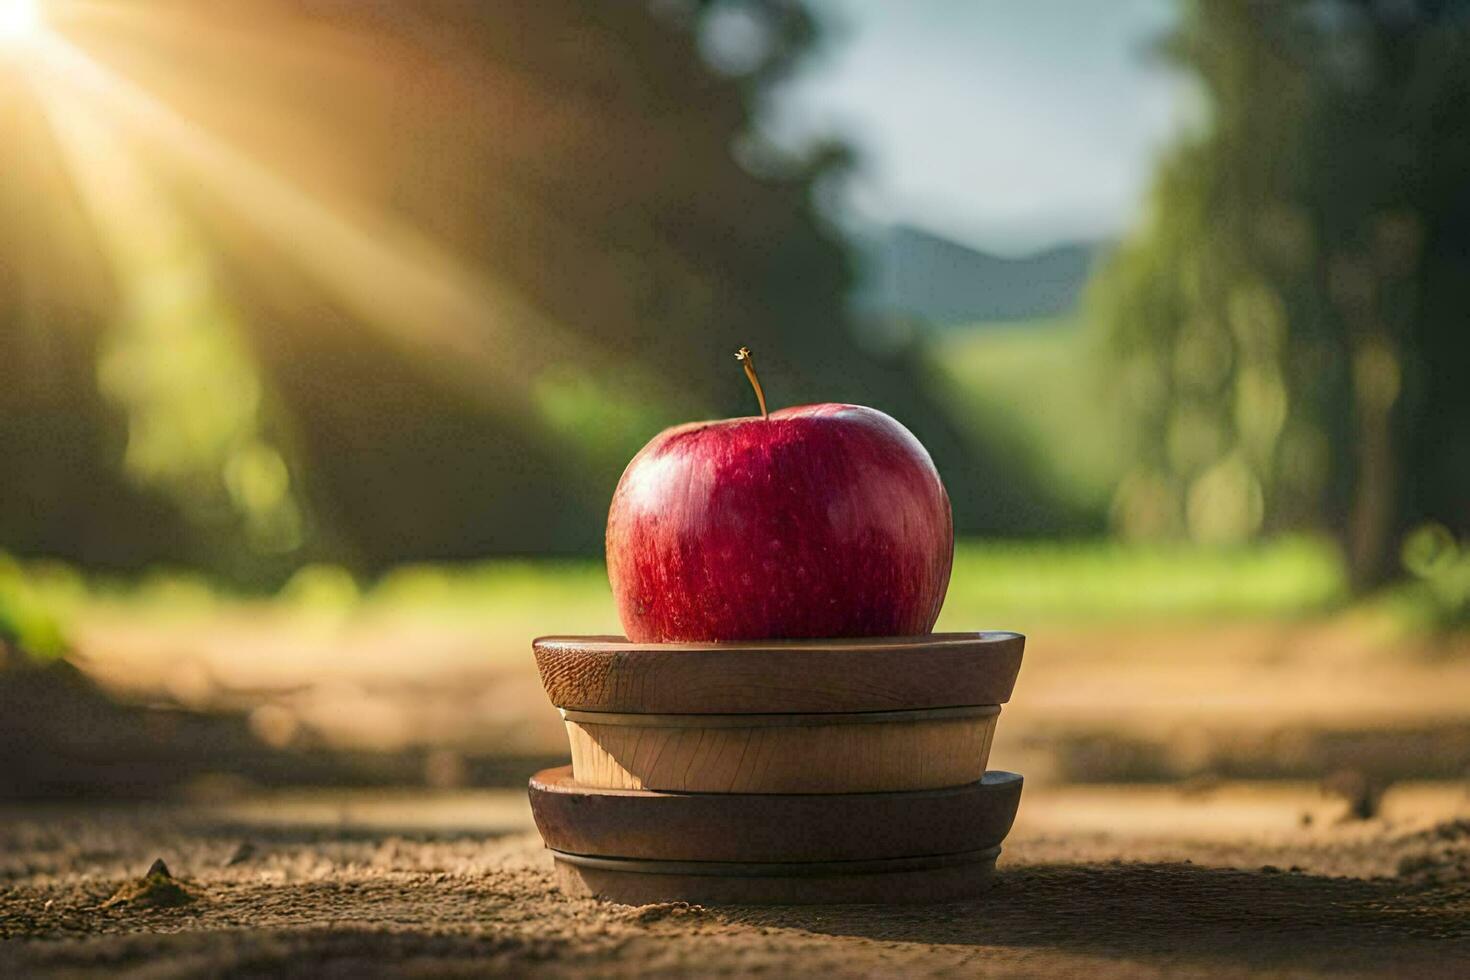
column 911, row 272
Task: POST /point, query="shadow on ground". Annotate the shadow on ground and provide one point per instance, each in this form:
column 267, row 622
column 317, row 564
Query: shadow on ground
column 63, row 737
column 1266, row 918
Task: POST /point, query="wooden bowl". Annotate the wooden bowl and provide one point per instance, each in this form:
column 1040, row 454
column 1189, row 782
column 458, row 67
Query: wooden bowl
column 943, row 878
column 774, row 827
column 815, row 716
column 636, row 847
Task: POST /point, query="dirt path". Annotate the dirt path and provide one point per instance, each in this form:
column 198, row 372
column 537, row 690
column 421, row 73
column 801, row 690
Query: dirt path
column 340, row 886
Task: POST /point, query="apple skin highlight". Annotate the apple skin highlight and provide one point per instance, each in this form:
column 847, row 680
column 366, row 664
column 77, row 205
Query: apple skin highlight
column 819, row 521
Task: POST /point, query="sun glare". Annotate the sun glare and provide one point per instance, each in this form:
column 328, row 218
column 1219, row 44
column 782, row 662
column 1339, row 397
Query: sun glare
column 20, row 20
column 408, row 286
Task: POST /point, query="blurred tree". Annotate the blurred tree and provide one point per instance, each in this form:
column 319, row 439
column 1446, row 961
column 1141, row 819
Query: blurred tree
column 444, row 267
column 1290, row 318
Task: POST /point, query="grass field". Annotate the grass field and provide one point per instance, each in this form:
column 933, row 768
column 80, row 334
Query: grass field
column 993, row 581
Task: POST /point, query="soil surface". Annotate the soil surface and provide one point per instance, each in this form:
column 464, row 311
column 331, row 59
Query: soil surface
column 1108, row 703
column 1099, row 881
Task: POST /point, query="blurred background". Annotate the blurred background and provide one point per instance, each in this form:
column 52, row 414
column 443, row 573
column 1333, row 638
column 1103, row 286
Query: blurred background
column 327, row 327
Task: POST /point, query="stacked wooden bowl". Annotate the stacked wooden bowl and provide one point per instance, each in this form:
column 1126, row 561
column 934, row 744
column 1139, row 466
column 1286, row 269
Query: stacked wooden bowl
column 777, row 772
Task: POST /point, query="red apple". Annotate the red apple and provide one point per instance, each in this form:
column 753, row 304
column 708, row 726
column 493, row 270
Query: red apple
column 817, row 521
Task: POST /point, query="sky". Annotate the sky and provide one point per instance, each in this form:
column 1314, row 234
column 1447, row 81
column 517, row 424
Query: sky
column 1009, row 125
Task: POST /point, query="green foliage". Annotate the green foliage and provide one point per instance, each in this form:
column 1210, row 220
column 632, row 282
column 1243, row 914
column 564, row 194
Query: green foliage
column 28, row 619
column 604, row 421
column 514, row 241
column 171, row 358
column 1031, row 390
column 1284, row 324
column 321, row 587
column 1440, row 566
column 176, row 365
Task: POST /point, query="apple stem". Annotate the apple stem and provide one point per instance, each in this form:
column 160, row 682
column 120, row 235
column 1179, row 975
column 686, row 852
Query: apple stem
column 743, row 356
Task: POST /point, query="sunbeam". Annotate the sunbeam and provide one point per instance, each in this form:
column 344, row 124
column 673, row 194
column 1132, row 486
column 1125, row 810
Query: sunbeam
column 384, row 272
column 175, row 360
column 20, row 21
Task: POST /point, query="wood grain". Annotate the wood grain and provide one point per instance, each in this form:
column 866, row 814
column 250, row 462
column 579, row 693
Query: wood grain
column 939, row 670
column 904, row 880
column 771, row 827
column 866, row 752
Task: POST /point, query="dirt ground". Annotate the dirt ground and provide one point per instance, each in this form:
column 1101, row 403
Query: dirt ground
column 1234, row 880
column 1174, row 820
column 1248, row 700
